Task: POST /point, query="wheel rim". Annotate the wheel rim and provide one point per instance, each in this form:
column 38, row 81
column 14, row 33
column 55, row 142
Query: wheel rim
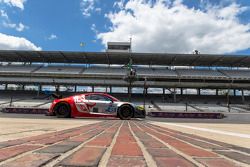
column 62, row 110
column 126, row 112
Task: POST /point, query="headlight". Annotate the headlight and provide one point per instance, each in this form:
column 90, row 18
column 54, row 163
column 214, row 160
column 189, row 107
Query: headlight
column 140, row 108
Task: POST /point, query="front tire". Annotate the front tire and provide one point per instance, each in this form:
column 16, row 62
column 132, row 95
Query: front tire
column 125, row 112
column 63, row 110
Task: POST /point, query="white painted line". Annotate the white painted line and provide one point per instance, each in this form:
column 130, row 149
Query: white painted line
column 241, row 135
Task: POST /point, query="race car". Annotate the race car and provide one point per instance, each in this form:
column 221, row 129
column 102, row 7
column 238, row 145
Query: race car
column 94, row 105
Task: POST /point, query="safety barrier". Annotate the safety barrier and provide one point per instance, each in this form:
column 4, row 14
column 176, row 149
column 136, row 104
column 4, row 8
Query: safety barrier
column 187, row 115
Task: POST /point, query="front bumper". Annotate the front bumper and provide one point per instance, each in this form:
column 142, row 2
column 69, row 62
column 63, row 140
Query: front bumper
column 139, row 113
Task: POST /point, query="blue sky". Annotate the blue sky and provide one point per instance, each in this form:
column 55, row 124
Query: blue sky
column 62, row 25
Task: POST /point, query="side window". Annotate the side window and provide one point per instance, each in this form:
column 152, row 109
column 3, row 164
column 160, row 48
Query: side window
column 98, row 97
column 88, row 97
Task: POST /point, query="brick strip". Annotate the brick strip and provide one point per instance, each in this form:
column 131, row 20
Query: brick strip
column 185, row 137
column 221, row 150
column 172, row 162
column 31, row 160
column 60, row 136
column 126, row 150
column 57, row 148
column 126, row 161
column 161, row 154
column 10, row 152
column 86, row 156
column 218, row 143
column 92, row 151
column 121, row 143
column 216, row 162
column 179, row 145
column 44, row 137
column 236, row 156
column 12, row 143
column 124, row 142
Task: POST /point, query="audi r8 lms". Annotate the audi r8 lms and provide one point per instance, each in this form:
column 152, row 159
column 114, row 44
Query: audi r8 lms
column 94, row 105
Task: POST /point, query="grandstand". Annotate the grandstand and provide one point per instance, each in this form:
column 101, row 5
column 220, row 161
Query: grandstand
column 171, row 72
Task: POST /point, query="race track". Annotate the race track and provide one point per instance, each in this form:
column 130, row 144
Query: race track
column 115, row 143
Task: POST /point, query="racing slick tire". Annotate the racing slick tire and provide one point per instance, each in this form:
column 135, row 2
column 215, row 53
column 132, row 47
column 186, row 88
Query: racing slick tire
column 63, row 110
column 125, row 112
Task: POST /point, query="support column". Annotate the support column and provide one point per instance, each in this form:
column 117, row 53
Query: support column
column 110, row 89
column 199, row 91
column 39, row 89
column 6, row 86
column 163, row 94
column 75, row 88
column 93, row 88
column 57, row 89
column 181, row 91
column 129, row 90
column 129, row 93
column 174, row 95
column 234, row 92
column 242, row 96
column 217, row 92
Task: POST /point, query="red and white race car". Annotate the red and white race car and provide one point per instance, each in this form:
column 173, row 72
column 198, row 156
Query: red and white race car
column 95, row 105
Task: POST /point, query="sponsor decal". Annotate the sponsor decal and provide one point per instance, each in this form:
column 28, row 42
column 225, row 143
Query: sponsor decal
column 82, row 104
column 110, row 109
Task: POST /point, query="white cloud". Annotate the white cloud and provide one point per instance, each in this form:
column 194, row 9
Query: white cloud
column 93, row 28
column 6, row 21
column 88, row 7
column 3, row 14
column 166, row 26
column 52, row 37
column 15, row 3
column 8, row 42
column 119, row 4
column 98, row 10
column 19, row 27
column 9, row 25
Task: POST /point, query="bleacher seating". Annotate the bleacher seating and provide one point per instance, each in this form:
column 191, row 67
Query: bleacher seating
column 119, row 71
column 237, row 74
column 105, row 71
column 17, row 68
column 156, row 72
column 60, row 70
column 200, row 73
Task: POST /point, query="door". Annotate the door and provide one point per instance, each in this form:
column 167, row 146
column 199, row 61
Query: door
column 103, row 104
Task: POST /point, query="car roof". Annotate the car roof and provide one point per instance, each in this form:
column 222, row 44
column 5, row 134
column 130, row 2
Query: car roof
column 100, row 93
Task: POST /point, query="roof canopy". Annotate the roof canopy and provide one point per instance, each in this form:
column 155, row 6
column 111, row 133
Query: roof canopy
column 164, row 59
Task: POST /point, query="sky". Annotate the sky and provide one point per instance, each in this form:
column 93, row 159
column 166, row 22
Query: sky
column 163, row 26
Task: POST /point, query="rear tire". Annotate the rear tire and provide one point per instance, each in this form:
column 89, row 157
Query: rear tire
column 63, row 110
column 125, row 112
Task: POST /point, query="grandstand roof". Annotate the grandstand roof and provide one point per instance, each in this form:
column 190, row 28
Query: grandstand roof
column 122, row 58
